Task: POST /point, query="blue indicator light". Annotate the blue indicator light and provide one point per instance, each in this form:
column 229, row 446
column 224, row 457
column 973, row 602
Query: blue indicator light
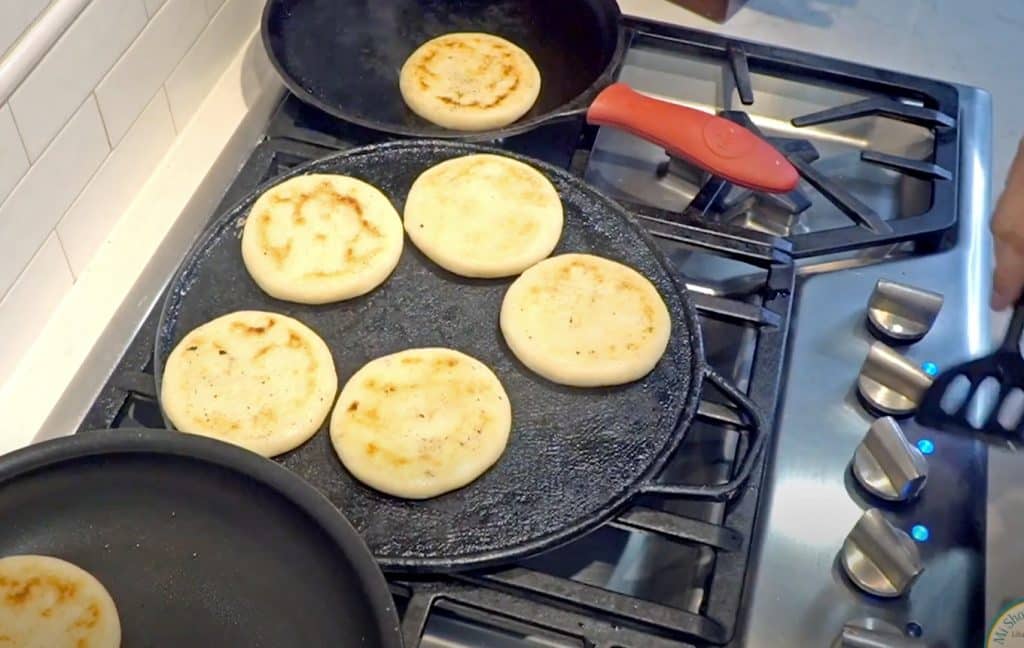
column 920, row 533
column 930, row 368
column 926, row 446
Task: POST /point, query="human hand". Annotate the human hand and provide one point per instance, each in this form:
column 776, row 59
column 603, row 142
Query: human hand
column 1008, row 231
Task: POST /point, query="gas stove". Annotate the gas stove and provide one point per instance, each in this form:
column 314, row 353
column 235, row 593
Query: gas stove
column 894, row 188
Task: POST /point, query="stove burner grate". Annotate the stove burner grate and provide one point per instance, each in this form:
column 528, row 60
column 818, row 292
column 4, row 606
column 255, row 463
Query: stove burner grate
column 932, row 105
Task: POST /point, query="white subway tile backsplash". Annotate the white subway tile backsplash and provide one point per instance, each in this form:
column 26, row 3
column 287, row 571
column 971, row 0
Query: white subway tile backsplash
column 13, row 160
column 15, row 17
column 197, row 72
column 89, row 220
column 37, row 203
column 120, row 77
column 27, row 306
column 72, row 67
column 212, row 6
column 153, row 6
column 134, row 79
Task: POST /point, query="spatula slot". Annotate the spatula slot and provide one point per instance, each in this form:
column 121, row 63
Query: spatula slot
column 1012, row 409
column 983, row 402
column 956, row 395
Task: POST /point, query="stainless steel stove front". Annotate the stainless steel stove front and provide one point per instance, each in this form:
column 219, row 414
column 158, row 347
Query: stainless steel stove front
column 798, row 596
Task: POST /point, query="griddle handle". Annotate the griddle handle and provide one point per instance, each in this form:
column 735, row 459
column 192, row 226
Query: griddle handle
column 757, row 428
column 715, row 144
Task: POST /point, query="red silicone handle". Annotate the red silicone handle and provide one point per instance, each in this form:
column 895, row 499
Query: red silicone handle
column 715, row 144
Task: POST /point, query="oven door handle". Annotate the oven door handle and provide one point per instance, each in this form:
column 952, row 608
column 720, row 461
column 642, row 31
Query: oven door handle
column 754, row 429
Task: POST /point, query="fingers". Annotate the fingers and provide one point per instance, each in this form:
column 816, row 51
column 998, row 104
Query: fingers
column 1008, row 231
column 1009, row 276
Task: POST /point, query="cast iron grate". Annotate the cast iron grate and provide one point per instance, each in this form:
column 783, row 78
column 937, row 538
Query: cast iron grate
column 930, row 104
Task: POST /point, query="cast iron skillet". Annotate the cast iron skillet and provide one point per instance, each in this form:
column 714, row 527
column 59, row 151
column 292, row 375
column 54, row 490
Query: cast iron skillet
column 575, row 456
column 344, row 57
column 200, row 543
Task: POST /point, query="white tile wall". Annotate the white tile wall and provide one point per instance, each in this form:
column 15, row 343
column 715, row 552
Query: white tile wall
column 48, row 189
column 27, row 306
column 86, row 224
column 134, row 79
column 190, row 82
column 13, row 159
column 83, row 132
column 71, row 69
column 15, row 16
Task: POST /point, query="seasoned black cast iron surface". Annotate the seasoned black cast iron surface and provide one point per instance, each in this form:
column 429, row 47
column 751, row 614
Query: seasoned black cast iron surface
column 199, row 543
column 574, row 456
column 344, row 56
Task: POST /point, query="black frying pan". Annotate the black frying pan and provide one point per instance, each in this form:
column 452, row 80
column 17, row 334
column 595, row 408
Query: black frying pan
column 344, row 57
column 575, row 455
column 200, row 543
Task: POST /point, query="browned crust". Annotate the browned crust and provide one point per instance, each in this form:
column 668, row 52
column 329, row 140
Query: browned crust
column 21, row 593
column 336, row 203
column 502, row 59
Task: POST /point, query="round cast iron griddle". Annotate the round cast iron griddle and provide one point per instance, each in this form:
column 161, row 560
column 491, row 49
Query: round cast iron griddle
column 344, row 56
column 198, row 542
column 574, row 455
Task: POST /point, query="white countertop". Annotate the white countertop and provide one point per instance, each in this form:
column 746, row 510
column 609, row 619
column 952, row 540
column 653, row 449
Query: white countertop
column 976, row 42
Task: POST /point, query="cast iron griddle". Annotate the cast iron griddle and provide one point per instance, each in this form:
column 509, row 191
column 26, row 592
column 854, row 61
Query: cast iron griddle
column 575, row 456
column 198, row 542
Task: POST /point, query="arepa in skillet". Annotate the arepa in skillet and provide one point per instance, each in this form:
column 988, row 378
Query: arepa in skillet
column 259, row 380
column 47, row 602
column 421, row 422
column 321, row 238
column 469, row 81
column 585, row 321
column 484, row 215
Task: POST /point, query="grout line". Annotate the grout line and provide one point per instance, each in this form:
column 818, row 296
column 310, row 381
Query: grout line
column 21, row 138
column 106, row 131
column 92, row 175
column 162, row 85
column 49, row 144
column 220, row 8
column 167, row 101
column 202, row 32
column 64, row 253
column 23, row 271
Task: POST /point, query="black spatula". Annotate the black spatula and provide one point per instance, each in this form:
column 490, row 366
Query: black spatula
column 1006, row 365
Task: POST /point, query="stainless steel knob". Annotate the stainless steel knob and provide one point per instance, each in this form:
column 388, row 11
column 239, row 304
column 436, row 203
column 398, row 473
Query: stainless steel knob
column 889, row 384
column 873, row 633
column 879, row 558
column 900, row 313
column 887, row 465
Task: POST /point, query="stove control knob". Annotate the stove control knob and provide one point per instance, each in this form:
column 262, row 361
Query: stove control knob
column 879, row 558
column 889, row 384
column 902, row 314
column 887, row 465
column 874, row 633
